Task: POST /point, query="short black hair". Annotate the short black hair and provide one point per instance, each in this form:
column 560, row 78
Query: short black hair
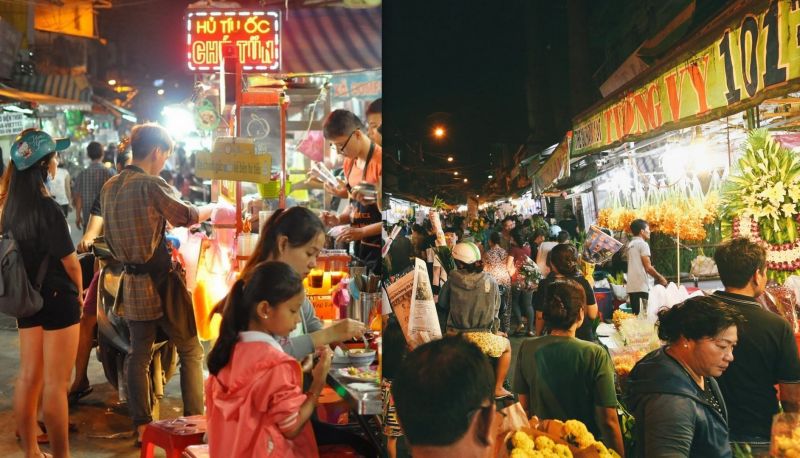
column 341, row 123
column 563, row 236
column 563, row 303
column 738, row 260
column 637, row 226
column 697, row 318
column 438, row 387
column 375, row 107
column 494, row 237
column 94, row 150
column 509, row 218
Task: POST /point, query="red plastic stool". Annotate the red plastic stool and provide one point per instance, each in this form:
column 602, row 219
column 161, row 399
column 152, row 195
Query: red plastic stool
column 197, row 451
column 332, row 408
column 337, row 451
column 173, row 435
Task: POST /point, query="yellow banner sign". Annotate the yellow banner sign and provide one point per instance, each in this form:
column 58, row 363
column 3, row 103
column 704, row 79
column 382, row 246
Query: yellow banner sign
column 234, row 158
column 757, row 55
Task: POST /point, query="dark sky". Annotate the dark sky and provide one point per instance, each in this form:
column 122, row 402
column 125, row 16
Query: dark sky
column 464, row 60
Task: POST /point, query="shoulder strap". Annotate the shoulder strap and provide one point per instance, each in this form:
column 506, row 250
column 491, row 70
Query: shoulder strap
column 42, row 272
column 366, row 163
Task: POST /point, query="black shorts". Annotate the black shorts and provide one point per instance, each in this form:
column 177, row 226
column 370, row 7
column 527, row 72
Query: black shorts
column 61, row 310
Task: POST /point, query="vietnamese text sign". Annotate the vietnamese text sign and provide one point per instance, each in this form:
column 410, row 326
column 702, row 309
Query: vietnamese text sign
column 234, row 158
column 757, row 54
column 253, row 35
column 11, row 123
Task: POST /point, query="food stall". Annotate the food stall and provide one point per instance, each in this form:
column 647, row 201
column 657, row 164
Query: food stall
column 264, row 100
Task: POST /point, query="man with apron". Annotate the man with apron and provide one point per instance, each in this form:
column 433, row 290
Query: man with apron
column 363, row 166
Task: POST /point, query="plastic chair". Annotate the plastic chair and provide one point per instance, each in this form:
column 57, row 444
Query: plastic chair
column 173, row 435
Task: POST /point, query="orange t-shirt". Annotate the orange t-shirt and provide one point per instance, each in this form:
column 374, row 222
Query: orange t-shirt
column 374, row 169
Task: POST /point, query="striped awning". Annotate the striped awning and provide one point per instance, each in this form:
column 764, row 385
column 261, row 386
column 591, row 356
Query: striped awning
column 331, row 40
column 75, row 88
column 8, row 94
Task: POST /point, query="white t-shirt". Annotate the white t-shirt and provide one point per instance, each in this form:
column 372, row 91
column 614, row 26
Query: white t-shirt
column 541, row 257
column 637, row 277
column 59, row 186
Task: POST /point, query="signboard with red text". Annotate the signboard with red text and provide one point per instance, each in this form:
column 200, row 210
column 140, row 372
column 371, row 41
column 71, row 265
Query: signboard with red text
column 254, row 36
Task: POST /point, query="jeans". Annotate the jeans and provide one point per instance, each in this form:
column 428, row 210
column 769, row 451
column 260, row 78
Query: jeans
column 190, row 354
column 522, row 303
column 636, row 300
column 505, row 309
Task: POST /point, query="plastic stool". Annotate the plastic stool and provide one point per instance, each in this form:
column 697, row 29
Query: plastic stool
column 173, row 435
column 337, row 451
column 332, row 408
column 197, row 451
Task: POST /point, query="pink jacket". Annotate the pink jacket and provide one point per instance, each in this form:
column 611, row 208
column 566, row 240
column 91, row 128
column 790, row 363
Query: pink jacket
column 250, row 401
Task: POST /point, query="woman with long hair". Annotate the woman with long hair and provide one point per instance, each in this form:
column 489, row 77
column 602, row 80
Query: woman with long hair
column 48, row 340
column 563, row 265
column 498, row 264
column 296, row 236
column 254, row 397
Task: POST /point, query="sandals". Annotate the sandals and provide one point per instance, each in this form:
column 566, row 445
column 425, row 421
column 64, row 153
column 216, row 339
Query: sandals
column 74, row 396
column 41, row 439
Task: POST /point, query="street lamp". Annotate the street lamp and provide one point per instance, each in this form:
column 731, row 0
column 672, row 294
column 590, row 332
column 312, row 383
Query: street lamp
column 465, row 180
column 490, row 177
column 455, row 173
column 449, row 158
column 160, row 92
column 112, row 82
column 439, row 132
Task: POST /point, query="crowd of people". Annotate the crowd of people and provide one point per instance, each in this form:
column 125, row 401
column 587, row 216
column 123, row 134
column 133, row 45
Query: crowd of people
column 267, row 317
column 725, row 368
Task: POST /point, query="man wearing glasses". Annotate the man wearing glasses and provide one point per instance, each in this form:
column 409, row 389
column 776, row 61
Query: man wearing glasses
column 363, row 166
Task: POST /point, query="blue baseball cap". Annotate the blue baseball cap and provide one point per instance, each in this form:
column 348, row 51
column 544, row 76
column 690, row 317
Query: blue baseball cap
column 32, row 145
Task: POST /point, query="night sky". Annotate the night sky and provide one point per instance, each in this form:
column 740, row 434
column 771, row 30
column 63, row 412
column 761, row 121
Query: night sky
column 460, row 64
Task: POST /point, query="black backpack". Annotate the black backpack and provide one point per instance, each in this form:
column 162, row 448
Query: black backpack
column 18, row 297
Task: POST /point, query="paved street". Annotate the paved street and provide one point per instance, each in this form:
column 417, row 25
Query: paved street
column 99, row 416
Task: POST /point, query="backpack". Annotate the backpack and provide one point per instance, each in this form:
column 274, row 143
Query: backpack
column 18, row 297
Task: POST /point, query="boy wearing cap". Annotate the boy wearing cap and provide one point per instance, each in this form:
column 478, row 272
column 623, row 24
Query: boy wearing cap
column 470, row 302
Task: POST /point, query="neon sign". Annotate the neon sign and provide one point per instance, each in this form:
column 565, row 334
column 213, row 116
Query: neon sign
column 253, row 36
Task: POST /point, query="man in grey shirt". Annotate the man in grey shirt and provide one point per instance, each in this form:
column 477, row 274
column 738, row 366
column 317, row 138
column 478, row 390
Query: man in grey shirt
column 639, row 265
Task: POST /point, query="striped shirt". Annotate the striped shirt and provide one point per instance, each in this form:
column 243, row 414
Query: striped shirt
column 88, row 185
column 134, row 206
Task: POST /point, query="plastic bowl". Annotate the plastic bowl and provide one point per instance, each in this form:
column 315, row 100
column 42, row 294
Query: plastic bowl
column 361, row 357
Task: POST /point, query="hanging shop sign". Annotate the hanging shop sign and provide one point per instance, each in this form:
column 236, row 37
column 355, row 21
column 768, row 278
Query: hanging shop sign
column 252, row 36
column 11, row 123
column 235, row 159
column 757, row 56
column 555, row 168
column 364, row 86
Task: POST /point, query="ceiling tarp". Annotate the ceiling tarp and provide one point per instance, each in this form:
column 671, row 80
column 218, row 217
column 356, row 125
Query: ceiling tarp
column 332, row 40
column 115, row 110
column 61, row 86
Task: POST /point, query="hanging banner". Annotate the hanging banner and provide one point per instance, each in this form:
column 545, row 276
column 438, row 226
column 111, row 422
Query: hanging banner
column 365, row 86
column 555, row 168
column 755, row 57
column 252, row 36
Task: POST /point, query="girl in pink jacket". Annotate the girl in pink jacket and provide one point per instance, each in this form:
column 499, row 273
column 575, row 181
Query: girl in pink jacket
column 255, row 403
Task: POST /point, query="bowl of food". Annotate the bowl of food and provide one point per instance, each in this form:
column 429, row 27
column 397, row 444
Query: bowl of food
column 361, row 356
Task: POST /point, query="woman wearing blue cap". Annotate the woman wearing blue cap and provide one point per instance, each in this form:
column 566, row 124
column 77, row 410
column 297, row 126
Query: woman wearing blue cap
column 48, row 339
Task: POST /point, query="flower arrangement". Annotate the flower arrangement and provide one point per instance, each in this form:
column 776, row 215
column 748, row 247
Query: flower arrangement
column 529, row 275
column 761, row 201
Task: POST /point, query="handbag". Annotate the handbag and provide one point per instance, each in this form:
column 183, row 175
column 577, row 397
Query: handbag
column 19, row 297
column 178, row 306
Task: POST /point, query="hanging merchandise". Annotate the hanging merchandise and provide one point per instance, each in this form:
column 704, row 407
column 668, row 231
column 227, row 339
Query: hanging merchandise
column 760, row 201
column 205, row 116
